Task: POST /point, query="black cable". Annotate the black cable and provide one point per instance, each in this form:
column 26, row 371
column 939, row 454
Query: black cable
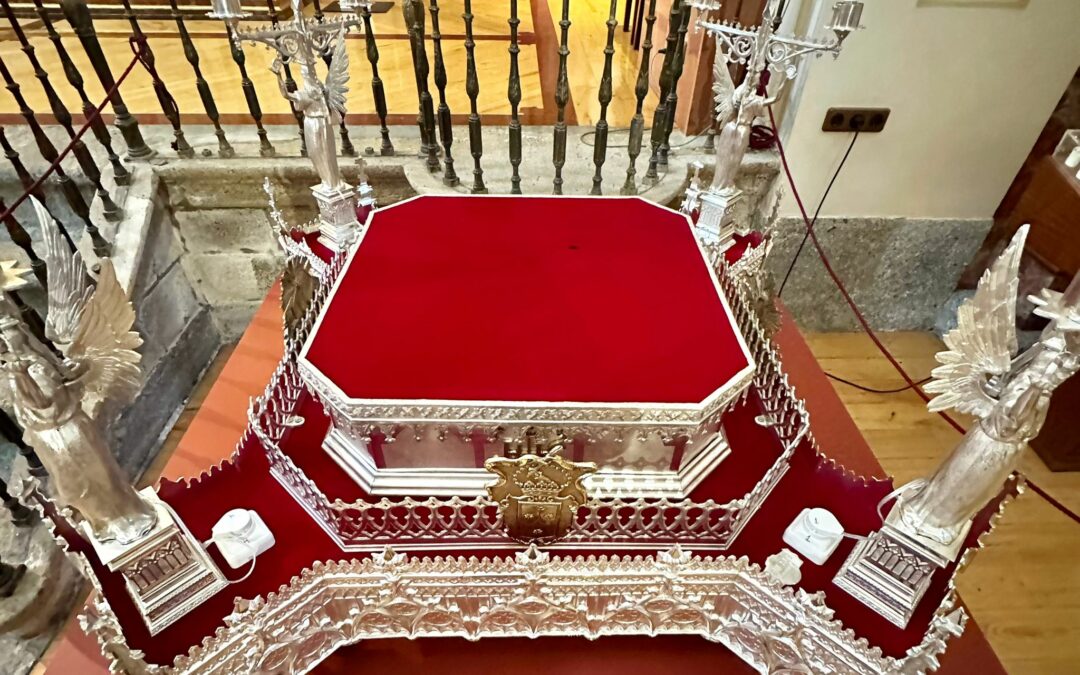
column 592, row 132
column 876, row 391
column 813, row 221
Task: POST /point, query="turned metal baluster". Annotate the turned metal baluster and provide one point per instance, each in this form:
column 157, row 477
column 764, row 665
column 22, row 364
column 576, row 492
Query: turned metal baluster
column 121, row 176
column 514, row 94
column 376, row 82
column 710, row 138
column 48, row 151
column 562, row 96
column 265, row 148
column 347, row 148
column 192, row 56
column 446, row 131
column 659, row 122
column 87, row 163
column 472, row 88
column 28, row 182
column 407, row 11
column 21, row 238
column 20, row 514
column 165, row 99
column 31, row 318
column 641, row 90
column 414, row 19
column 78, row 15
column 600, row 138
column 673, row 91
column 290, row 83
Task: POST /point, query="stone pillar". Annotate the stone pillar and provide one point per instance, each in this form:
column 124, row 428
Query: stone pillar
column 36, row 594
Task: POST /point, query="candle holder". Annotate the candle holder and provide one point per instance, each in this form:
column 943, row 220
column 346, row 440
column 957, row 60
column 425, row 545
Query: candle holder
column 759, row 49
column 322, row 101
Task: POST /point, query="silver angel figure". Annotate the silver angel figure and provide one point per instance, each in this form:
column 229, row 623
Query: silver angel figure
column 322, row 104
column 56, row 399
column 1008, row 396
column 736, row 109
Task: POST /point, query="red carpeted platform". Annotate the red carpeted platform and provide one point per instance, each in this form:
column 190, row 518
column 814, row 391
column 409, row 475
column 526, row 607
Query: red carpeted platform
column 810, row 481
column 528, row 299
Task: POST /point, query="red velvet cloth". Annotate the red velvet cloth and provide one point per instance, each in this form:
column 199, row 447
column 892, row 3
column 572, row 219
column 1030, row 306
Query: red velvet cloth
column 743, row 243
column 528, row 299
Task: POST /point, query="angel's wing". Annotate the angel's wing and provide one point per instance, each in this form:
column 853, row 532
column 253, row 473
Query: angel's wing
column 984, row 341
column 91, row 326
column 69, row 285
column 723, row 89
column 105, row 343
column 338, row 76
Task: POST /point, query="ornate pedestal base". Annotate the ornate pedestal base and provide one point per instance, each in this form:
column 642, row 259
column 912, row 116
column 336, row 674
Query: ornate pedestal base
column 167, row 572
column 890, row 571
column 337, row 215
column 714, row 224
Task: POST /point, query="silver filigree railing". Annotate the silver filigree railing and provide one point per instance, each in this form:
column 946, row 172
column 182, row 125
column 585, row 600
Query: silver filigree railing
column 475, row 522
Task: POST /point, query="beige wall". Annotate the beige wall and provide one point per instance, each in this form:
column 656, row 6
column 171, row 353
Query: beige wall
column 970, row 88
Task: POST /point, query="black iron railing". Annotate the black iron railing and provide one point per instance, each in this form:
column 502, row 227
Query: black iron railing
column 434, row 121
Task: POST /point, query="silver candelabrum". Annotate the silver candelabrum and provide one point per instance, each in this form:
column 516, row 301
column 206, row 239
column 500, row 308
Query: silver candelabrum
column 321, row 101
column 759, row 49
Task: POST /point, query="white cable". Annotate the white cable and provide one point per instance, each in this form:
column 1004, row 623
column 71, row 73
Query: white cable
column 917, row 483
column 242, row 542
column 825, row 533
column 206, row 544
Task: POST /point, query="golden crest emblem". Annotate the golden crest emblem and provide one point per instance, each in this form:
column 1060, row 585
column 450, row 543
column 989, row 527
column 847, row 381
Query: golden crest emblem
column 538, row 495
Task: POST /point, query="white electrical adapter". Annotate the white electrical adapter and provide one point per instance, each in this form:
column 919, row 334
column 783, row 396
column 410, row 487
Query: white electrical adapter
column 241, row 535
column 815, row 533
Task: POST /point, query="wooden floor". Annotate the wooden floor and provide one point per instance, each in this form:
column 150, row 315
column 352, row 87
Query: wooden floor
column 1024, row 588
column 538, row 67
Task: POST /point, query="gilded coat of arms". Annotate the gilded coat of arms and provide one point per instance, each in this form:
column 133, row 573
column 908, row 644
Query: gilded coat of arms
column 538, row 495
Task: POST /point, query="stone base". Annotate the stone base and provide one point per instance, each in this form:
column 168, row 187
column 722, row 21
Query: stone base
column 899, row 270
column 337, row 215
column 167, row 572
column 890, row 571
column 42, row 597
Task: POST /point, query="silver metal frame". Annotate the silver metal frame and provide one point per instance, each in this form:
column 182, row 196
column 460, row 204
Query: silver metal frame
column 653, row 425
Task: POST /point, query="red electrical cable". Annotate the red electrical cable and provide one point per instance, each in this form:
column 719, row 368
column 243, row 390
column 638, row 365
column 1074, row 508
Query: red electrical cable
column 79, row 134
column 840, row 284
column 870, row 331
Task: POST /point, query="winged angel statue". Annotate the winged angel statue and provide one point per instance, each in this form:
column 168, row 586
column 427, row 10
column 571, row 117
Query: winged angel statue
column 322, row 104
column 1009, row 396
column 56, row 399
column 736, row 109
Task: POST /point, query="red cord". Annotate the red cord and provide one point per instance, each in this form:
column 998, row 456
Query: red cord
column 79, row 134
column 870, row 331
column 840, row 284
column 1053, row 502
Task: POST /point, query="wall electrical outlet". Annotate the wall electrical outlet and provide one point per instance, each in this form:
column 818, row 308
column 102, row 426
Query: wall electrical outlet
column 863, row 120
